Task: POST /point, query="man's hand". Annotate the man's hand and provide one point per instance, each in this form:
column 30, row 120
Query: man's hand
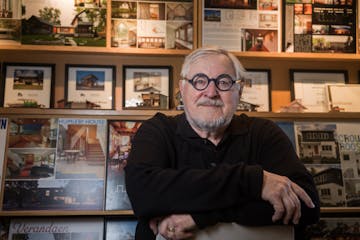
column 175, row 227
column 285, row 197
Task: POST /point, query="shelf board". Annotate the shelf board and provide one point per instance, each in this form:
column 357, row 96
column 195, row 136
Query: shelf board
column 35, row 213
column 180, row 52
column 145, row 114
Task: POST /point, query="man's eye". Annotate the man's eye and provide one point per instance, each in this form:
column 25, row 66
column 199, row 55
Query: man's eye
column 201, row 81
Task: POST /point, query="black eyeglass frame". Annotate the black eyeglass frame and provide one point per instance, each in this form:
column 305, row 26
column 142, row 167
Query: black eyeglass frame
column 215, row 80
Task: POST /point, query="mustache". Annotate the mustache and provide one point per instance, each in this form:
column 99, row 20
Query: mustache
column 210, row 102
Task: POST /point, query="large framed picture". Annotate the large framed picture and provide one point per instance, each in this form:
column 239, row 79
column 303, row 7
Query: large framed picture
column 309, row 87
column 90, row 86
column 27, row 85
column 146, row 87
column 256, row 91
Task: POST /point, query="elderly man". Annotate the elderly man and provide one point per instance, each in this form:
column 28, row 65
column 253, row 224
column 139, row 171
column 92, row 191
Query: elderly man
column 208, row 165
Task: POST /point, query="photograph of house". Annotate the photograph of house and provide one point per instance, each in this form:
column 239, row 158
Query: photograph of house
column 69, row 22
column 90, row 80
column 317, row 143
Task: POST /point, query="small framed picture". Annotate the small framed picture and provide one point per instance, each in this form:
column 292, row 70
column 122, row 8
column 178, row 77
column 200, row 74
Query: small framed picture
column 89, row 86
column 256, row 91
column 308, row 87
column 146, row 87
column 27, row 85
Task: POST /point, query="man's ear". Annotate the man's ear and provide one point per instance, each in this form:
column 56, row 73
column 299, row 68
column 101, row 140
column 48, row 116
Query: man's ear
column 241, row 87
column 181, row 86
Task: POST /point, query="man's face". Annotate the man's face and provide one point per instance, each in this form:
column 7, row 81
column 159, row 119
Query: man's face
column 210, row 108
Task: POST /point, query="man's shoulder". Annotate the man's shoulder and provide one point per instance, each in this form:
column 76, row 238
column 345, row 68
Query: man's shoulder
column 160, row 120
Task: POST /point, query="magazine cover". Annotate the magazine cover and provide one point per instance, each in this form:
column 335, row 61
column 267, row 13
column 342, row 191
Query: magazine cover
column 3, row 134
column 320, row 26
column 55, row 164
column 318, row 147
column 152, row 24
column 52, row 228
column 348, row 135
column 64, row 23
column 120, row 229
column 120, row 135
column 333, row 229
column 288, row 128
column 81, row 149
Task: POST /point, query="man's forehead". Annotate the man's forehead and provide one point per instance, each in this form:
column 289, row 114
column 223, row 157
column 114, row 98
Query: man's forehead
column 211, row 62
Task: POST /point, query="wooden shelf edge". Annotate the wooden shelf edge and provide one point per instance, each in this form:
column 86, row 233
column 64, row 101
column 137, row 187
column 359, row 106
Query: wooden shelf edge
column 180, row 52
column 92, row 50
column 38, row 213
column 145, row 114
column 340, row 210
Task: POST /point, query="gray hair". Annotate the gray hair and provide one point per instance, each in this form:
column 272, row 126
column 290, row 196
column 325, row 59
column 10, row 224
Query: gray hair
column 206, row 51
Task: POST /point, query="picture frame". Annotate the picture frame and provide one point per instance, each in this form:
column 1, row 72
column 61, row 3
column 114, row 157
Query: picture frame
column 343, row 98
column 90, row 86
column 146, row 87
column 120, row 228
column 312, row 84
column 257, row 90
column 27, row 85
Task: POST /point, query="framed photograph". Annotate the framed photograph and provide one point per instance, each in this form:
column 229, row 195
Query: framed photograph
column 256, row 93
column 90, row 86
column 28, row 85
column 146, row 87
column 309, row 87
column 344, row 98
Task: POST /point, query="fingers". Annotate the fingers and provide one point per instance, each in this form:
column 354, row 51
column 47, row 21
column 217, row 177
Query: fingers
column 285, row 197
column 153, row 224
column 177, row 227
column 302, row 195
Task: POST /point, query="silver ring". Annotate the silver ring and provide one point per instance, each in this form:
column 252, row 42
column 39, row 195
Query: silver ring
column 171, row 229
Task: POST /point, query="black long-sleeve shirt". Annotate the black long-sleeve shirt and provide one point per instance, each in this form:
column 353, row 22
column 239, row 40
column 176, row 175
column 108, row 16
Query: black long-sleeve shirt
column 171, row 169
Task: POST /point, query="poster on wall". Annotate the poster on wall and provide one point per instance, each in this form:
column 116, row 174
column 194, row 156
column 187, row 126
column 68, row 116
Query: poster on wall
column 152, row 24
column 56, row 228
column 10, row 22
column 241, row 25
column 64, row 23
column 120, row 135
column 319, row 26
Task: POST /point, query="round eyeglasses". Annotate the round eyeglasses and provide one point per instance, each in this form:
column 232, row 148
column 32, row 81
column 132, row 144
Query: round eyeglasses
column 200, row 81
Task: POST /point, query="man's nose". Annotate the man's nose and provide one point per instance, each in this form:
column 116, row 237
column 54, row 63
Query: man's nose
column 211, row 90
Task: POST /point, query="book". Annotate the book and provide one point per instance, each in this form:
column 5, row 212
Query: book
column 53, row 228
column 120, row 134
